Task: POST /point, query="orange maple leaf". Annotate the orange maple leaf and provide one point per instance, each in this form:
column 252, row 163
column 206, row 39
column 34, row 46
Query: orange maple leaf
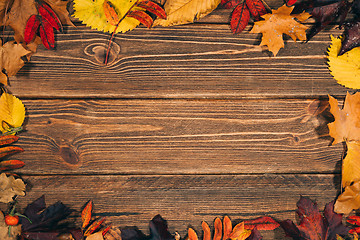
column 347, row 121
column 276, row 24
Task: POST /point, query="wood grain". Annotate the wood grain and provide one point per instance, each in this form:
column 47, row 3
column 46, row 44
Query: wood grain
column 184, row 200
column 176, row 137
column 192, row 61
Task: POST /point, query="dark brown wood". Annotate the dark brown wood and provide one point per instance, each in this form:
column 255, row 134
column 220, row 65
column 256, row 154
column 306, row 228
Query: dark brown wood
column 184, row 200
column 176, row 136
column 192, row 61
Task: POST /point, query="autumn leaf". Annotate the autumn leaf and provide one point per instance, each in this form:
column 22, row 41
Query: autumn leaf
column 262, row 223
column 19, row 11
column 345, row 126
column 186, row 11
column 351, row 37
column 7, row 233
column 43, row 218
column 313, row 226
column 351, row 164
column 276, row 24
column 95, row 236
column 349, row 200
column 237, row 233
column 9, row 187
column 86, row 214
column 324, row 15
column 94, row 226
column 11, row 164
column 355, row 222
column 11, row 60
column 92, row 13
column 12, row 112
column 344, row 68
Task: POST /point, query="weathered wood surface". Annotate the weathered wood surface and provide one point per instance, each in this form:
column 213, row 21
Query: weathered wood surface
column 192, row 61
column 192, row 122
column 177, row 137
column 185, row 200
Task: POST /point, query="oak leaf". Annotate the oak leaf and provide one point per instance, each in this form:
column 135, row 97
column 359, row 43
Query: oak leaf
column 346, row 125
column 9, row 187
column 344, row 68
column 349, row 200
column 185, row 11
column 276, row 24
column 11, row 60
column 12, row 112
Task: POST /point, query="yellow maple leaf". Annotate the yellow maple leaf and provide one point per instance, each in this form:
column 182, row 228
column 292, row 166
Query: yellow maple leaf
column 185, row 11
column 91, row 13
column 276, row 24
column 12, row 112
column 347, row 121
column 344, row 68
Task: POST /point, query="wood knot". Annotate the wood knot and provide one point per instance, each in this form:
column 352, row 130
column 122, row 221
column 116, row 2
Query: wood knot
column 99, row 51
column 69, row 156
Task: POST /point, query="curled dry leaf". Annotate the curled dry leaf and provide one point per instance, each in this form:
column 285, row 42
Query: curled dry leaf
column 186, row 11
column 345, row 126
column 12, row 112
column 344, row 68
column 11, row 61
column 276, row 24
column 9, row 187
column 349, row 200
column 15, row 231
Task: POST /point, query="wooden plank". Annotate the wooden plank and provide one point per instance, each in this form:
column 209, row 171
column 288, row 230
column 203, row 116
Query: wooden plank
column 184, row 200
column 193, row 61
column 176, row 136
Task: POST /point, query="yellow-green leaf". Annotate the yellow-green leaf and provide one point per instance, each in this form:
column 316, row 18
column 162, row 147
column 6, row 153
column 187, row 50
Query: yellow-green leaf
column 92, row 13
column 12, row 112
column 185, row 11
column 345, row 68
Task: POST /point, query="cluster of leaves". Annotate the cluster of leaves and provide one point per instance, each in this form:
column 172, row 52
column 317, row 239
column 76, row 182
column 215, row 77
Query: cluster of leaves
column 345, row 129
column 32, row 22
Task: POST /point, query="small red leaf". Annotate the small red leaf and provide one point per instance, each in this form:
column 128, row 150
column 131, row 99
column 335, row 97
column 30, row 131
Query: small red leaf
column 31, row 27
column 355, row 220
column 11, row 164
column 262, row 223
column 5, row 140
column 239, row 18
column 153, row 8
column 143, row 17
column 354, row 230
column 5, row 151
column 290, row 2
column 256, row 8
column 106, row 230
column 47, row 34
column 46, row 12
column 86, row 214
column 229, row 3
column 94, row 226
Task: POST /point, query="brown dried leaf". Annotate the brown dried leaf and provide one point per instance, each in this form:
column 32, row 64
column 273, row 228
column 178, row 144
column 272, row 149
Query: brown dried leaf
column 11, row 61
column 276, row 24
column 346, row 125
column 349, row 200
column 9, row 187
column 95, row 236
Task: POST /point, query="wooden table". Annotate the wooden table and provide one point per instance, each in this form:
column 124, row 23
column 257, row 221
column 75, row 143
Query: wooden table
column 191, row 122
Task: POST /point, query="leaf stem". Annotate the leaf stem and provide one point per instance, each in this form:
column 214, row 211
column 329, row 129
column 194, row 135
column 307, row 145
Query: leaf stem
column 113, row 34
